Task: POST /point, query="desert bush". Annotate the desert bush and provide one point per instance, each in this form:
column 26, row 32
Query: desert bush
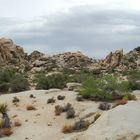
column 59, row 97
column 17, row 123
column 134, row 79
column 58, row 110
column 6, row 75
column 51, row 81
column 106, row 88
column 30, row 107
column 4, row 87
column 67, row 107
column 70, row 113
column 10, row 80
column 67, row 129
column 81, row 125
column 51, row 100
column 104, row 106
column 5, row 79
column 32, row 96
column 19, row 83
column 6, row 132
column 130, row 97
column 15, row 100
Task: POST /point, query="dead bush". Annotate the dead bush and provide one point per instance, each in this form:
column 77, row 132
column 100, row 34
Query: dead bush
column 51, row 100
column 59, row 97
column 70, row 113
column 6, row 132
column 30, row 107
column 17, row 123
column 15, row 100
column 58, row 110
column 104, row 106
column 81, row 125
column 67, row 129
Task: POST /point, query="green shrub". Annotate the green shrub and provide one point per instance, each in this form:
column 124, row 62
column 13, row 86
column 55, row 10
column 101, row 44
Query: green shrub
column 51, row 81
column 105, row 88
column 19, row 83
column 134, row 79
column 10, row 80
column 4, row 87
column 6, row 75
column 129, row 97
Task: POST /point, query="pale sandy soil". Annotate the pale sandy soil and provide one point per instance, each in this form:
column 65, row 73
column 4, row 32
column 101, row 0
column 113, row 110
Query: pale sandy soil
column 35, row 124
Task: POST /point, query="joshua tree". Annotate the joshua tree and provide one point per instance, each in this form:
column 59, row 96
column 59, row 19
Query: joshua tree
column 3, row 111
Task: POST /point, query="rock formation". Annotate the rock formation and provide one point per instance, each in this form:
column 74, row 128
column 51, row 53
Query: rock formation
column 12, row 55
column 74, row 61
column 120, row 123
column 121, row 62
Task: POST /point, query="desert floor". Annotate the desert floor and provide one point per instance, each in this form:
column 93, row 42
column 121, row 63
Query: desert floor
column 42, row 124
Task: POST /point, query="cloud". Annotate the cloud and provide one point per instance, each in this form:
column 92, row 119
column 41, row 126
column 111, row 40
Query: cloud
column 93, row 31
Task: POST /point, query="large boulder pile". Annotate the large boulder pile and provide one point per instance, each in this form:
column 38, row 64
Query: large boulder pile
column 11, row 54
column 74, row 61
column 120, row 61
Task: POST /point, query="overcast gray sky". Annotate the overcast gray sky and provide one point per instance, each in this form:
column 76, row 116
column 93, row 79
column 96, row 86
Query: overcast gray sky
column 54, row 26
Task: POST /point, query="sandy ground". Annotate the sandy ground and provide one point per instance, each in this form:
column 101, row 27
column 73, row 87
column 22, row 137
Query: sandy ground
column 42, row 124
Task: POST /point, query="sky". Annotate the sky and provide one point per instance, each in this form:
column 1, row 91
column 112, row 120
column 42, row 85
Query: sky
column 55, row 26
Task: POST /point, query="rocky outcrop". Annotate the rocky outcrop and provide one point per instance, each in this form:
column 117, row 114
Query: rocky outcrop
column 121, row 62
column 35, row 55
column 120, row 123
column 114, row 59
column 11, row 54
column 74, row 61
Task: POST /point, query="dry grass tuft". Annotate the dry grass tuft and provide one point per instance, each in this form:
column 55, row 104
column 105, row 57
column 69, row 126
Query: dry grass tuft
column 17, row 123
column 30, row 107
column 58, row 110
column 7, row 132
column 67, row 129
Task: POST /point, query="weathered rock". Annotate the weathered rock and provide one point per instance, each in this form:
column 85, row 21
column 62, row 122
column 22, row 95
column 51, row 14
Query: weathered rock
column 121, row 62
column 12, row 55
column 73, row 61
column 120, row 123
column 35, row 55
